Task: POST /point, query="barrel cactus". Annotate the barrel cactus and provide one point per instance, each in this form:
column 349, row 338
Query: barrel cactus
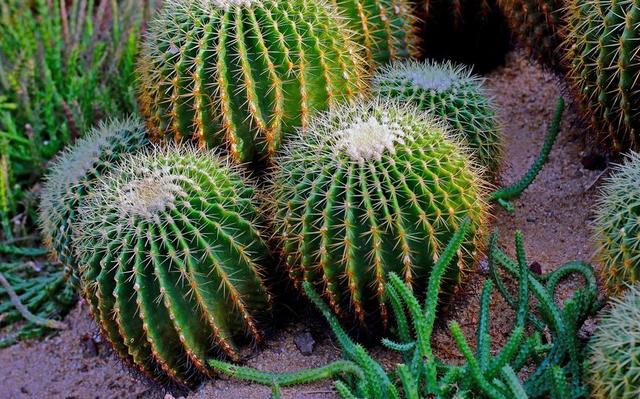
column 171, row 260
column 614, row 362
column 537, row 25
column 244, row 73
column 467, row 31
column 74, row 174
column 617, row 226
column 602, row 42
column 373, row 188
column 453, row 93
column 386, row 28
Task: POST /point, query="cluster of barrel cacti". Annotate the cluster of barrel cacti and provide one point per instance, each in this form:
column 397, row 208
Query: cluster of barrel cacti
column 169, row 243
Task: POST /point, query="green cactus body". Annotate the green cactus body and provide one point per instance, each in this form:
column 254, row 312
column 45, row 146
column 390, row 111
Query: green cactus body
column 457, row 11
column 73, row 176
column 171, row 259
column 452, row 93
column 244, row 73
column 370, row 189
column 386, row 28
column 614, row 360
column 617, row 226
column 537, row 25
column 602, row 42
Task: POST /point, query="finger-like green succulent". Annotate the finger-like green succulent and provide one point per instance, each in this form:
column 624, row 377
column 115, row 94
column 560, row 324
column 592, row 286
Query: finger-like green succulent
column 386, row 28
column 614, row 362
column 537, row 25
column 373, row 188
column 603, row 41
column 452, row 93
column 245, row 73
column 171, row 260
column 73, row 176
column 617, row 226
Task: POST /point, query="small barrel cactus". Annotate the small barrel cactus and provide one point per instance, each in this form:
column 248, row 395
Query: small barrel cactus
column 386, row 28
column 373, row 188
column 244, row 73
column 170, row 259
column 617, row 226
column 603, row 44
column 74, row 174
column 614, row 361
column 467, row 31
column 453, row 93
column 537, row 25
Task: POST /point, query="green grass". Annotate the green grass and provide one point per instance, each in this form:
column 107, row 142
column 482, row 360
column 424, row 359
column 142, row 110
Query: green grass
column 64, row 65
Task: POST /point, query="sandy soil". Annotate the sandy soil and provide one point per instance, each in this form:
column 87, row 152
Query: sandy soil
column 553, row 215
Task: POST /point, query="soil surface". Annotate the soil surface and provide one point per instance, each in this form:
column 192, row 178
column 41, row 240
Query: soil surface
column 553, row 214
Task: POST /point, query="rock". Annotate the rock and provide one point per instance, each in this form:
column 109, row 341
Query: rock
column 305, row 342
column 536, row 268
column 89, row 346
column 593, row 161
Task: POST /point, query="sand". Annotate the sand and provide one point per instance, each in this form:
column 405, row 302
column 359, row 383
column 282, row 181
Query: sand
column 553, row 214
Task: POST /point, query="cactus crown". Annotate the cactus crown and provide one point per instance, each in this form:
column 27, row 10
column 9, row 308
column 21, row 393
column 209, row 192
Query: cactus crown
column 614, row 360
column 371, row 188
column 617, row 225
column 75, row 172
column 453, row 93
column 171, row 259
column 244, row 74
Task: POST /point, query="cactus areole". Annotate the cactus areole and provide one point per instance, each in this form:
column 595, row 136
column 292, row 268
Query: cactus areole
column 171, row 260
column 370, row 189
column 243, row 74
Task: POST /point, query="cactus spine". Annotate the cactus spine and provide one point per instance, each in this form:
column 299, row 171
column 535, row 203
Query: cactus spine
column 614, row 361
column 373, row 188
column 617, row 226
column 244, row 73
column 171, row 260
column 73, row 176
column 386, row 28
column 453, row 93
column 537, row 25
column 602, row 38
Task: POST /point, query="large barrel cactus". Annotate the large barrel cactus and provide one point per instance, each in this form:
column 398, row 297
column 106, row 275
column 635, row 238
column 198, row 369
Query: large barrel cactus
column 370, row 189
column 537, row 25
column 614, row 362
column 245, row 73
column 386, row 28
column 466, row 31
column 171, row 260
column 74, row 174
column 617, row 226
column 452, row 93
column 603, row 44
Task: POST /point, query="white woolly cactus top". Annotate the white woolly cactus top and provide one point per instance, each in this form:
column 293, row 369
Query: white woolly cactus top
column 370, row 138
column 427, row 75
column 368, row 130
column 226, row 4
